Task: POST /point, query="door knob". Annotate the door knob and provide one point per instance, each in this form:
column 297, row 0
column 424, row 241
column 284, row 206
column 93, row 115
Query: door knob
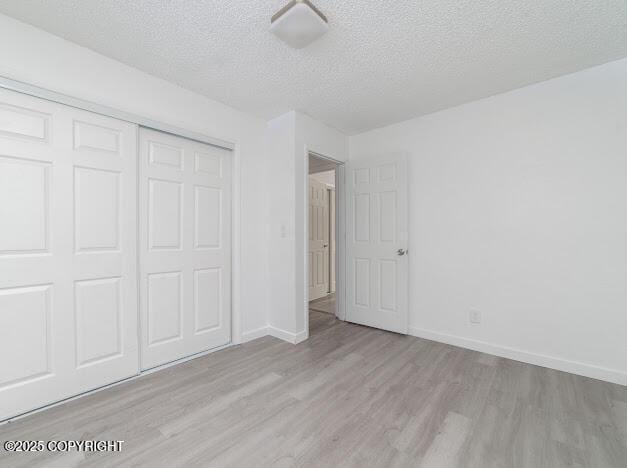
column 401, row 252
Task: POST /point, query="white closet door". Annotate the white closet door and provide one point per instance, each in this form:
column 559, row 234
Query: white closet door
column 68, row 287
column 376, row 233
column 185, row 247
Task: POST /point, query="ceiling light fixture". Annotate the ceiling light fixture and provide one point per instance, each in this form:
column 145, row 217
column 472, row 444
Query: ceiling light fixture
column 299, row 23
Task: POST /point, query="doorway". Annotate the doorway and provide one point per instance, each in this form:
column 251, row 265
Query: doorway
column 322, row 248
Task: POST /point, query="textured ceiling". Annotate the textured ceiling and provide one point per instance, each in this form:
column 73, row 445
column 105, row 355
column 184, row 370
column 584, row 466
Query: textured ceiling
column 381, row 62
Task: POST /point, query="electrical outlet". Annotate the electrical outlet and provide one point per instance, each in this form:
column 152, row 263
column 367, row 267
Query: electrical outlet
column 475, row 316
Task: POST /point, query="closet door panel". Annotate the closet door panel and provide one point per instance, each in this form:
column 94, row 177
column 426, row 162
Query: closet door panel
column 185, row 247
column 68, row 296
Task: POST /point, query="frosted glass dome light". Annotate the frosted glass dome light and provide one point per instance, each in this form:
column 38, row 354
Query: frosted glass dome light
column 299, row 23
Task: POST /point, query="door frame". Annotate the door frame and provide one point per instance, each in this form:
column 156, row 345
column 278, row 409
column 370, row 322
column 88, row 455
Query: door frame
column 332, row 239
column 340, row 236
column 141, row 121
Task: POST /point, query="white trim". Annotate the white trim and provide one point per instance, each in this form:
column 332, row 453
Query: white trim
column 279, row 333
column 290, row 337
column 236, row 213
column 115, row 384
column 140, row 363
column 340, row 238
column 53, row 96
column 256, row 333
column 573, row 367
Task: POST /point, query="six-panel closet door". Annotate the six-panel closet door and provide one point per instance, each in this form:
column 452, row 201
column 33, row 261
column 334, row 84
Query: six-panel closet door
column 68, row 243
column 185, row 247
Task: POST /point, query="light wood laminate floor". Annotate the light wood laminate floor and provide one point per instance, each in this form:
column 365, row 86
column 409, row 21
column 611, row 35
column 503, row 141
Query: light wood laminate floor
column 349, row 396
column 324, row 304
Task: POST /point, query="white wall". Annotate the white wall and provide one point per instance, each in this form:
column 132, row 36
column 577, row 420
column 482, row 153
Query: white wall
column 33, row 56
column 518, row 207
column 281, row 206
column 290, row 137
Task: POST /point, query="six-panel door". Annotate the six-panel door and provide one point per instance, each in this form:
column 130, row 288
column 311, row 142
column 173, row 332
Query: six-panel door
column 68, row 295
column 376, row 231
column 318, row 239
column 185, row 247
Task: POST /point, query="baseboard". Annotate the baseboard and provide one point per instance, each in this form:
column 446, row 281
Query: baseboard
column 254, row 334
column 573, row 367
column 284, row 335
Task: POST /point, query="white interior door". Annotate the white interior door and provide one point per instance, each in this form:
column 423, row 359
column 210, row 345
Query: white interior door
column 68, row 241
column 185, row 247
column 318, row 239
column 376, row 229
